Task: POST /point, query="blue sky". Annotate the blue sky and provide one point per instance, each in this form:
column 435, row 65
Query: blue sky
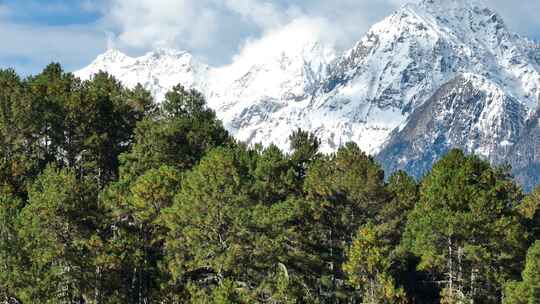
column 38, row 32
column 51, row 12
column 74, row 32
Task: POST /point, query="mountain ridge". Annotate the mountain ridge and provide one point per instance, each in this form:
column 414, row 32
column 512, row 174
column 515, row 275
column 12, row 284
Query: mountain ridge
column 372, row 93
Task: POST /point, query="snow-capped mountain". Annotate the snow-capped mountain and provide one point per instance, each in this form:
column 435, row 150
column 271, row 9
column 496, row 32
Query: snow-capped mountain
column 157, row 71
column 432, row 76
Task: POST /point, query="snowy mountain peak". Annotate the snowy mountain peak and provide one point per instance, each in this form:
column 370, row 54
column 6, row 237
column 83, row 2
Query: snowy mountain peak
column 158, row 71
column 113, row 56
column 464, row 19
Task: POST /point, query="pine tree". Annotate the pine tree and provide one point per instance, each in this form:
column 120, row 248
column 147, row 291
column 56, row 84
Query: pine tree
column 48, row 91
column 274, row 177
column 528, row 290
column 11, row 258
column 206, row 223
column 103, row 124
column 465, row 228
column 136, row 244
column 392, row 217
column 343, row 191
column 56, row 228
column 179, row 137
column 305, row 148
column 529, row 210
column 531, row 274
column 20, row 159
column 368, row 268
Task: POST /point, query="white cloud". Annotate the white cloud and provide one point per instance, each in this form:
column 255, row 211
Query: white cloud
column 350, row 19
column 163, row 23
column 264, row 14
column 205, row 26
column 290, row 39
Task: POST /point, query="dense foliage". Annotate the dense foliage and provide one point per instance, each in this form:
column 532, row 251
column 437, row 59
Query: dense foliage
column 107, row 197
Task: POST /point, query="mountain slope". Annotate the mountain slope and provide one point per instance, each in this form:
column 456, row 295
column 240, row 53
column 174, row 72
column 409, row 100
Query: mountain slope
column 432, row 76
column 469, row 112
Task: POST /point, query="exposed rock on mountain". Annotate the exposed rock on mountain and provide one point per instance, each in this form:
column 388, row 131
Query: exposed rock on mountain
column 469, row 112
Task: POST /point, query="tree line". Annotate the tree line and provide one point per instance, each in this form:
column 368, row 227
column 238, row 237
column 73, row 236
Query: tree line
column 109, row 197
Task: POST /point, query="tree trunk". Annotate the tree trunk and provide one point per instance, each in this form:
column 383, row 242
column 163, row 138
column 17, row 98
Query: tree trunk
column 459, row 279
column 472, row 287
column 97, row 288
column 450, row 267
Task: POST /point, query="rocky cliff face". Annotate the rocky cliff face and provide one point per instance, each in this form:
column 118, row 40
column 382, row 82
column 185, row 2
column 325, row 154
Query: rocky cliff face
column 525, row 155
column 469, row 112
column 432, row 76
